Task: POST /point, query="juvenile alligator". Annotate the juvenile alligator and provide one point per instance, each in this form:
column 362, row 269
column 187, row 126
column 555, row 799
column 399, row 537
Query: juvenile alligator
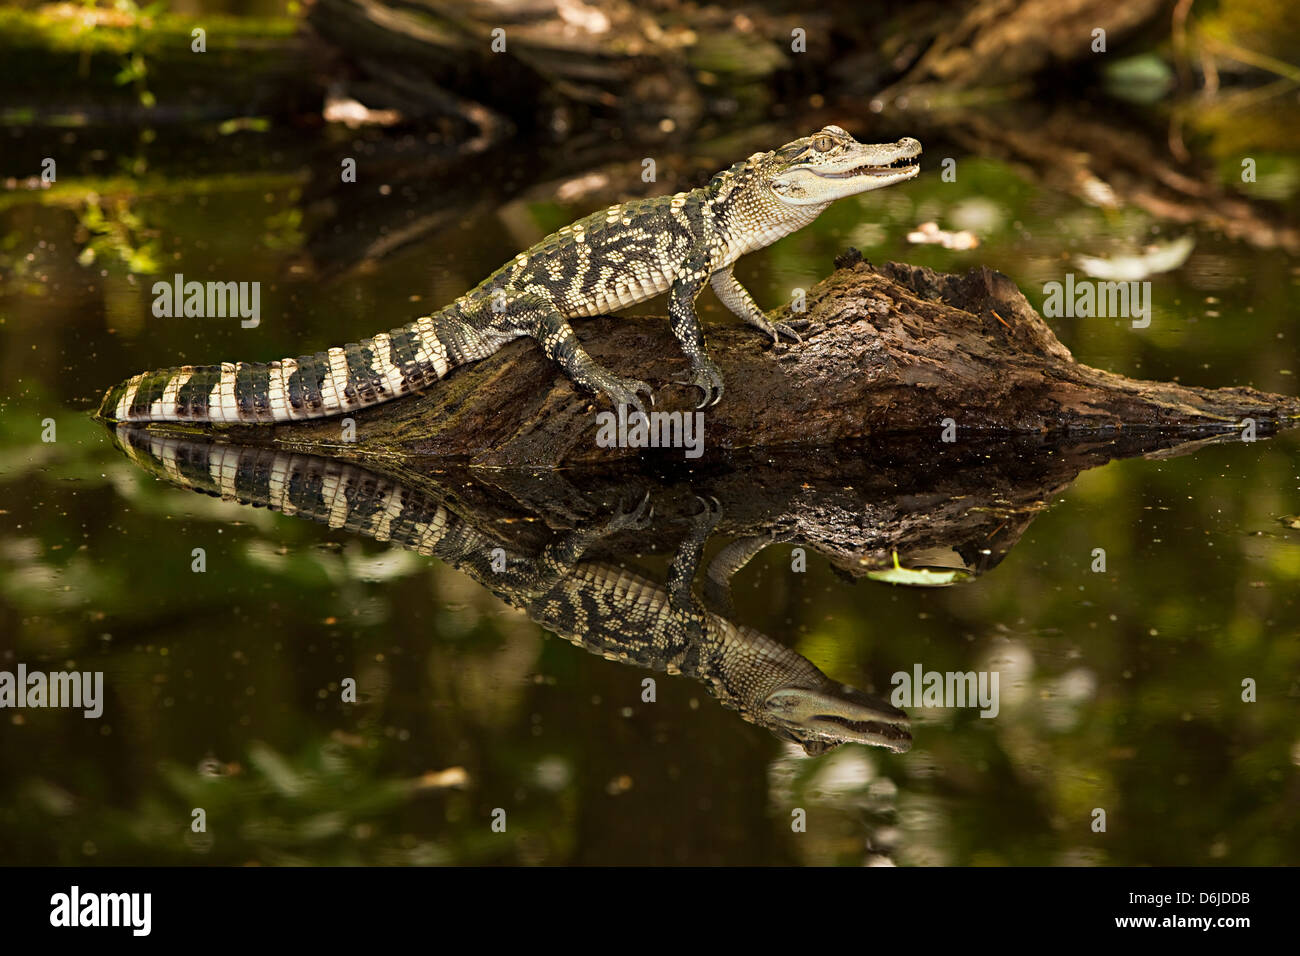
column 606, row 609
column 608, row 261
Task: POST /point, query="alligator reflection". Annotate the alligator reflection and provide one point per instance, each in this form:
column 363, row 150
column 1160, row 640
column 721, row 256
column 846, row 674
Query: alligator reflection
column 955, row 508
column 599, row 605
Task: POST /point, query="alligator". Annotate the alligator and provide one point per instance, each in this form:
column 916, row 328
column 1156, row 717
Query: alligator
column 612, row 259
column 607, row 609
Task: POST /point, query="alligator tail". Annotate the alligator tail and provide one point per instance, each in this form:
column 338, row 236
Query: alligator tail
column 337, row 381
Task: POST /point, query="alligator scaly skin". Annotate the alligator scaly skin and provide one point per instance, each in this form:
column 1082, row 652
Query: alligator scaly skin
column 608, row 261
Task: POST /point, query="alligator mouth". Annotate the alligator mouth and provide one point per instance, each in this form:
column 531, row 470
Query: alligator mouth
column 904, row 164
column 889, row 734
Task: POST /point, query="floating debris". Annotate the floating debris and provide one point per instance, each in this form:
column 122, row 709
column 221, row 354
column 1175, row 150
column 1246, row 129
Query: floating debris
column 929, row 233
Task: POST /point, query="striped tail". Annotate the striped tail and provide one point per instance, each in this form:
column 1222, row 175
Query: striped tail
column 333, row 382
column 334, row 493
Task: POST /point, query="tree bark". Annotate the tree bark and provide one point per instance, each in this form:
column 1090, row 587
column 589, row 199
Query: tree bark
column 888, row 351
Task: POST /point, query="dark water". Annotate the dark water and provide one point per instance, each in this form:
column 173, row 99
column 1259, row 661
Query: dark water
column 1121, row 689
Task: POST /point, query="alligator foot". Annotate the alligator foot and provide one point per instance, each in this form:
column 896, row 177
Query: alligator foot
column 707, row 377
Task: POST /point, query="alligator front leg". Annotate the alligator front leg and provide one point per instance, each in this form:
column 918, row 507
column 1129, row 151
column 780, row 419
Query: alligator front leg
column 726, row 564
column 737, row 298
column 704, row 375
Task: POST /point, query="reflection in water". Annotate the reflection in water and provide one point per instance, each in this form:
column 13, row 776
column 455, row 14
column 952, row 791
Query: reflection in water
column 600, row 606
column 948, row 518
column 1099, row 707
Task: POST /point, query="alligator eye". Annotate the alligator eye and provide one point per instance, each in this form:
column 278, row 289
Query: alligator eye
column 821, row 142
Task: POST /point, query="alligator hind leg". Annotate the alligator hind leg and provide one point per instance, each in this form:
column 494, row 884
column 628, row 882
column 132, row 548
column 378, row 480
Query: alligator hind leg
column 537, row 575
column 559, row 558
column 537, row 316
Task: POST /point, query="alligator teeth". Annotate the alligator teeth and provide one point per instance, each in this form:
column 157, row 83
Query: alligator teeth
column 897, row 166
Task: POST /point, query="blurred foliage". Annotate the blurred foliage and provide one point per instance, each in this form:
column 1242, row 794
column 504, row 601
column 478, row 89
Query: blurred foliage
column 123, row 28
column 1256, row 119
column 1266, row 27
column 116, row 236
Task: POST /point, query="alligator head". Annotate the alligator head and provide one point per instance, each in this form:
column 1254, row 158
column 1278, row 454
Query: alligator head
column 831, row 164
column 775, row 687
column 820, row 719
column 770, row 195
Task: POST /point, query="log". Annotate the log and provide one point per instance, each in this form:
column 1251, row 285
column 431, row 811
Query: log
column 960, row 507
column 583, row 65
column 888, row 351
column 986, row 43
column 540, row 67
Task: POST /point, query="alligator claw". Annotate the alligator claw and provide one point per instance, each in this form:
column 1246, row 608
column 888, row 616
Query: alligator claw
column 628, row 391
column 711, row 513
column 635, row 518
column 787, row 329
column 777, row 329
column 708, row 379
column 711, row 504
